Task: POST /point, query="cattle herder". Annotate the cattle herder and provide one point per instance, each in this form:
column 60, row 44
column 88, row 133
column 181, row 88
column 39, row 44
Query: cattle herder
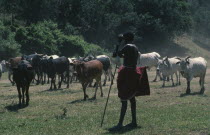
column 130, row 79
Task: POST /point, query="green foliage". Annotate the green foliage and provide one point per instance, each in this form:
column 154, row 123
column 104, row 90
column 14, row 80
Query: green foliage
column 76, row 46
column 41, row 37
column 45, row 37
column 72, row 46
column 8, row 46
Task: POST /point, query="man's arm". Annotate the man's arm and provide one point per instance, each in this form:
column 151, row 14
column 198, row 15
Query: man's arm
column 119, row 53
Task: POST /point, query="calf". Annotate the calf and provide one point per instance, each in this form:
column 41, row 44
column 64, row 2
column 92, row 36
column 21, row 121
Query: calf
column 23, row 74
column 58, row 66
column 86, row 72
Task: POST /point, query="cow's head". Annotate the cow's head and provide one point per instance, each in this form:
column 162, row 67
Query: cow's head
column 78, row 66
column 162, row 64
column 184, row 63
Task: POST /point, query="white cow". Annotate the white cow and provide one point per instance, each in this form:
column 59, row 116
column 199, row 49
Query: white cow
column 191, row 68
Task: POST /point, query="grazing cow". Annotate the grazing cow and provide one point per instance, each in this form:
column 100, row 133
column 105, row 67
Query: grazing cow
column 13, row 63
column 191, row 68
column 23, row 74
column 86, row 72
column 58, row 66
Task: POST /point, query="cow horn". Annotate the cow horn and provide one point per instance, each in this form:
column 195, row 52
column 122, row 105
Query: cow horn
column 164, row 59
column 187, row 58
column 178, row 58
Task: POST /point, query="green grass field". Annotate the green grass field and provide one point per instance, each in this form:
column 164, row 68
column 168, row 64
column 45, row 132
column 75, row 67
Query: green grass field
column 166, row 111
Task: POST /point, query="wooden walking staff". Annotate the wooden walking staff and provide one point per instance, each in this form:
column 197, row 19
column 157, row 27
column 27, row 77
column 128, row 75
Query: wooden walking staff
column 110, row 87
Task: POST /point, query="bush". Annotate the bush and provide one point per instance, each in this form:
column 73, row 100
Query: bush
column 76, row 46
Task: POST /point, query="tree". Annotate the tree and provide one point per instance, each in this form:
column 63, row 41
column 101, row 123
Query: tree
column 8, row 46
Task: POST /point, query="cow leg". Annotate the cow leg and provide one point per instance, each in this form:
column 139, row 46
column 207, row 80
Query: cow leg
column 54, row 82
column 27, row 94
column 72, row 77
column 48, row 79
column 201, row 81
column 156, row 76
column 68, row 78
column 84, row 86
column 102, row 94
column 42, row 78
column 172, row 80
column 177, row 79
column 19, row 94
column 62, row 76
column 110, row 74
column 164, row 78
column 188, row 87
column 94, row 97
column 9, row 76
column 105, row 74
column 51, row 83
column 37, row 81
column 159, row 74
column 23, row 94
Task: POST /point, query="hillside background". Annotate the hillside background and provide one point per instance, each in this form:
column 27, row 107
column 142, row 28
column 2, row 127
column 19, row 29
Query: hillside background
column 79, row 27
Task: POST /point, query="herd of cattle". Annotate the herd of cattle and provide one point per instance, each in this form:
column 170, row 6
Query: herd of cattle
column 38, row 67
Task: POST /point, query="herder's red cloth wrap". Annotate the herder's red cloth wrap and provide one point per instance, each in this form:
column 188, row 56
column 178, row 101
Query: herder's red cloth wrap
column 132, row 82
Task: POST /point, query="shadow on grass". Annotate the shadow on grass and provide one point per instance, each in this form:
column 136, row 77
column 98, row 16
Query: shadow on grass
column 170, row 86
column 15, row 107
column 123, row 130
column 82, row 100
column 50, row 90
column 192, row 94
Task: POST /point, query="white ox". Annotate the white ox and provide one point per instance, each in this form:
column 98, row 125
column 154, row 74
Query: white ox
column 191, row 68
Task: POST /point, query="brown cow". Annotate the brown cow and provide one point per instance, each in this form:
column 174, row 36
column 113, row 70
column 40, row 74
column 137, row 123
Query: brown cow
column 86, row 72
